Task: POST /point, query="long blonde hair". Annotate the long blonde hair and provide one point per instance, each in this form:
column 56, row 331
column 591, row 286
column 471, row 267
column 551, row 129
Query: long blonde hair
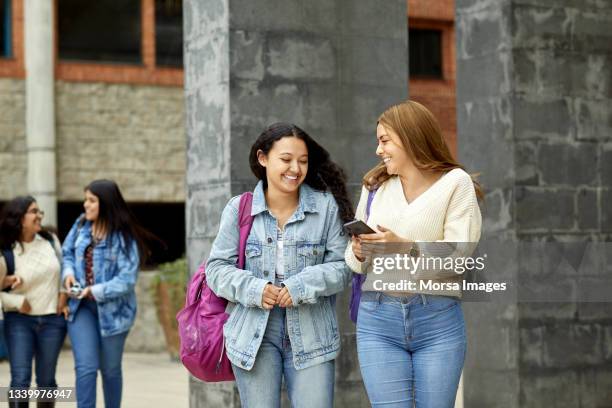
column 421, row 137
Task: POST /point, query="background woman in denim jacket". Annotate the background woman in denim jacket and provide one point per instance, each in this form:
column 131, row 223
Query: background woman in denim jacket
column 284, row 319
column 102, row 254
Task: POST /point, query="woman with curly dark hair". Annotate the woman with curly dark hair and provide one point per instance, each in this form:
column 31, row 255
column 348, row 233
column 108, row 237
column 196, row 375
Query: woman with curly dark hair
column 30, row 274
column 284, row 321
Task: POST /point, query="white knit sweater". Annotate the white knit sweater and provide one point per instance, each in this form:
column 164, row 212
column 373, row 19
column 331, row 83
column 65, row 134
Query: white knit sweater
column 39, row 267
column 446, row 212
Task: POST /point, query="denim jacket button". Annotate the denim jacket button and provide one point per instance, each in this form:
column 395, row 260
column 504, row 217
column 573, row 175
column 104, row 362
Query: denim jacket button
column 256, row 335
column 269, row 240
column 243, row 362
column 314, row 252
column 266, row 273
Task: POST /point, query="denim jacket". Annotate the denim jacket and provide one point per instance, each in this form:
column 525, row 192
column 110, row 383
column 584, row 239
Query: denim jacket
column 313, row 250
column 115, row 268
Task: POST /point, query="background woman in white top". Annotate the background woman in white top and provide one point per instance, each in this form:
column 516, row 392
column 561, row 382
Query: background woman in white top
column 411, row 343
column 33, row 321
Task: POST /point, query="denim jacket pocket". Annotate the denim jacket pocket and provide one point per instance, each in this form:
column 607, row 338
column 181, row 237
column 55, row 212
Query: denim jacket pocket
column 322, row 331
column 328, row 318
column 236, row 316
column 254, row 259
column 309, row 254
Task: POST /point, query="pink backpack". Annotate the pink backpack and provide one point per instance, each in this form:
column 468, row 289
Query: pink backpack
column 200, row 322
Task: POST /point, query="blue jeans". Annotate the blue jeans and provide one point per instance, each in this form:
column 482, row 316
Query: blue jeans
column 411, row 349
column 38, row 337
column 261, row 386
column 92, row 352
column 3, row 350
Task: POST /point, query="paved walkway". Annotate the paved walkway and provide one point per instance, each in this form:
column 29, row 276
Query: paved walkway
column 149, row 380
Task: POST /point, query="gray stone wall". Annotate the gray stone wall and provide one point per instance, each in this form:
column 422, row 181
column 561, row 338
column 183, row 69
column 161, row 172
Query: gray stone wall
column 330, row 67
column 535, row 117
column 12, row 138
column 132, row 134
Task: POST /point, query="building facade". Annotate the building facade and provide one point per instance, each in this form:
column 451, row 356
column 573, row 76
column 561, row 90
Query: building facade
column 116, row 100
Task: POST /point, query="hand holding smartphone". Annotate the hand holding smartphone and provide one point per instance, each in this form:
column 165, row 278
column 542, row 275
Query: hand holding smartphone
column 75, row 290
column 358, row 227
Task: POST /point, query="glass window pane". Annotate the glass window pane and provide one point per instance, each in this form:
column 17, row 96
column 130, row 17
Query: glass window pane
column 100, row 30
column 169, row 32
column 5, row 29
column 425, row 49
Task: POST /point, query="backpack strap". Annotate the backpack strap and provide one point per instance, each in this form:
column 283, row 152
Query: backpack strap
column 245, row 222
column 359, row 278
column 371, row 195
column 9, row 259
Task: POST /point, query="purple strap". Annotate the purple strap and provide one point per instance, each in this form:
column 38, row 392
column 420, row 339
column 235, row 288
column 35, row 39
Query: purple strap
column 359, row 278
column 245, row 222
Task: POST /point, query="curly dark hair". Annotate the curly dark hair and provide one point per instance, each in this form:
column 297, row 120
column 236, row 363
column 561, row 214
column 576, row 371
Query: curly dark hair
column 323, row 174
column 10, row 222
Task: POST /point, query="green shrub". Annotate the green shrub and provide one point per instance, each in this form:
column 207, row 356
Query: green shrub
column 175, row 275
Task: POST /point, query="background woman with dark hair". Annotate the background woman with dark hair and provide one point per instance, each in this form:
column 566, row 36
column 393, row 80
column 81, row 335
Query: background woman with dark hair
column 102, row 254
column 284, row 321
column 30, row 273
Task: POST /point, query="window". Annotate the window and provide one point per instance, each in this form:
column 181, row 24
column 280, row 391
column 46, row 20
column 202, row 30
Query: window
column 5, row 29
column 100, row 30
column 116, row 41
column 169, row 33
column 425, row 53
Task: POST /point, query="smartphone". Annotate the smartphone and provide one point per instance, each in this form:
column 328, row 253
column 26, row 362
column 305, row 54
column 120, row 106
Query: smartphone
column 358, row 227
column 75, row 290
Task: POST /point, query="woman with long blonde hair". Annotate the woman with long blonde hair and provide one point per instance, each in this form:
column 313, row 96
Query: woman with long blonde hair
column 411, row 339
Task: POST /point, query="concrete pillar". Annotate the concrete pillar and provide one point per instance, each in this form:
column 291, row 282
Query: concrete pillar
column 40, row 106
column 534, row 106
column 330, row 67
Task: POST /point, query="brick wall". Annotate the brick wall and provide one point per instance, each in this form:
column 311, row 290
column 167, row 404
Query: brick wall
column 437, row 94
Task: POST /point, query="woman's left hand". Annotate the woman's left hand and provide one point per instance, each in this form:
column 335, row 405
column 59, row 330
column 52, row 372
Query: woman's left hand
column 62, row 306
column 284, row 298
column 12, row 280
column 385, row 235
column 85, row 293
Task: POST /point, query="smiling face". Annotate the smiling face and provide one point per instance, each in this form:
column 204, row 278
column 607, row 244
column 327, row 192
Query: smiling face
column 92, row 206
column 391, row 150
column 31, row 223
column 286, row 164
